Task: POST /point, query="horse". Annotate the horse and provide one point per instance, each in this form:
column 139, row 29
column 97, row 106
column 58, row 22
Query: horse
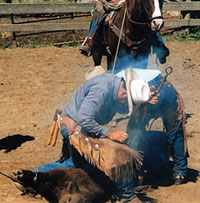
column 128, row 34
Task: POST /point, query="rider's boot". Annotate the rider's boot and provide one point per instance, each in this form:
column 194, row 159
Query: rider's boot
column 86, row 46
column 162, row 53
column 160, row 49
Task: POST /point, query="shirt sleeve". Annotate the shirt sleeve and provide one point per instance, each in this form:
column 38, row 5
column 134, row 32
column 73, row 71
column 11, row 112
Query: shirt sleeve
column 88, row 110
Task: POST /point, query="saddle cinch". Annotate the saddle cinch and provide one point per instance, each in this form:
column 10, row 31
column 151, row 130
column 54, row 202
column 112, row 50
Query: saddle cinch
column 116, row 160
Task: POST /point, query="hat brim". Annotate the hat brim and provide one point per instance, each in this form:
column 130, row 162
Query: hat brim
column 95, row 71
column 130, row 75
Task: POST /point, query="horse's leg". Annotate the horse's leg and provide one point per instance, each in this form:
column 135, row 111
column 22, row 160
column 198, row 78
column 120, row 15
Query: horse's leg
column 109, row 63
column 97, row 57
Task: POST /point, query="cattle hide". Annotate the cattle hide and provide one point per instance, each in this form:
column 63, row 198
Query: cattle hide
column 61, row 185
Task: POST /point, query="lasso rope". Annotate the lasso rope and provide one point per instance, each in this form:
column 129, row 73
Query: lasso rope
column 116, row 53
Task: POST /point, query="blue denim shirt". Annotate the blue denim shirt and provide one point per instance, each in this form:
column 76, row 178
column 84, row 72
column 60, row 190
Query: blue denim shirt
column 95, row 103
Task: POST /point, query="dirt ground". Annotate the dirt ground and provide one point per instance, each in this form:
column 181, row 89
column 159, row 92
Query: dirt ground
column 35, row 82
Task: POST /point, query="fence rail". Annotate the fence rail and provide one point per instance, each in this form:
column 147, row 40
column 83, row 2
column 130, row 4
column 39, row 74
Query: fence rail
column 64, row 8
column 44, row 8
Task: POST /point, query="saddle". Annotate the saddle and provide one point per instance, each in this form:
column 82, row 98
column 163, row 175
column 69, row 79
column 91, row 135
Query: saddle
column 102, row 12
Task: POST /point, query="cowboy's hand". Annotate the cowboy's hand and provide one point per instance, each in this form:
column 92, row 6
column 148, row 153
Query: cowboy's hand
column 153, row 98
column 118, row 135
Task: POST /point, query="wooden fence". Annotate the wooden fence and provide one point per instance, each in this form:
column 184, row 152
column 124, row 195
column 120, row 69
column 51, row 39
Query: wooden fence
column 67, row 8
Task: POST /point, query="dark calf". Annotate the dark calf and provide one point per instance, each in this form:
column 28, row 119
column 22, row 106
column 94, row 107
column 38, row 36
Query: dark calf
column 61, row 185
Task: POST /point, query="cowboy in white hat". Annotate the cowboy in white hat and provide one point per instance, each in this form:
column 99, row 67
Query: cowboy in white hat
column 93, row 105
column 97, row 101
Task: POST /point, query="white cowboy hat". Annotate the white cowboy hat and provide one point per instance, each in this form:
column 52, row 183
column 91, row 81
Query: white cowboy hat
column 97, row 70
column 138, row 91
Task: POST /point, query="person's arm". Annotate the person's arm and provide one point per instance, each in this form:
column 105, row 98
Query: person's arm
column 88, row 110
column 118, row 135
column 86, row 117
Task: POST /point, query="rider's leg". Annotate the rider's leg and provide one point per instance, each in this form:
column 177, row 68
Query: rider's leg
column 160, row 49
column 97, row 14
column 93, row 26
column 88, row 42
column 160, row 39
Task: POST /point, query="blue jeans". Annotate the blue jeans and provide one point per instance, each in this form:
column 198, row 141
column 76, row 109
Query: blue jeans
column 93, row 27
column 56, row 164
column 63, row 163
column 152, row 144
column 160, row 39
column 167, row 109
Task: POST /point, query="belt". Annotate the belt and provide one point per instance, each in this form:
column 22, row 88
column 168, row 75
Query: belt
column 70, row 123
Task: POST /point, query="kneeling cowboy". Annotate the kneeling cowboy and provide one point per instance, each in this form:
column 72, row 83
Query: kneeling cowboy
column 96, row 102
column 93, row 105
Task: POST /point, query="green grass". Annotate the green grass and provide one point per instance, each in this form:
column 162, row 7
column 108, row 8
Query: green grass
column 188, row 34
column 30, row 45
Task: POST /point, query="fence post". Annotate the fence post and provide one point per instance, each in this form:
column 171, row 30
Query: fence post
column 13, row 33
column 73, row 31
column 12, row 21
column 187, row 16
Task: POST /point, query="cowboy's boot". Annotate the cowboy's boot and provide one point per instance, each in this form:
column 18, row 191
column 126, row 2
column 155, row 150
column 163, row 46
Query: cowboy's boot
column 162, row 52
column 160, row 49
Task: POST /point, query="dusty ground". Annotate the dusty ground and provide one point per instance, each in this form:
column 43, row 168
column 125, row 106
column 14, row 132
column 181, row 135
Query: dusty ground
column 34, row 82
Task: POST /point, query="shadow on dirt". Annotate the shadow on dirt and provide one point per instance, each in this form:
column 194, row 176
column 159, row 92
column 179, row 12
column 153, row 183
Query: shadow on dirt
column 12, row 142
column 144, row 198
column 153, row 180
column 192, row 175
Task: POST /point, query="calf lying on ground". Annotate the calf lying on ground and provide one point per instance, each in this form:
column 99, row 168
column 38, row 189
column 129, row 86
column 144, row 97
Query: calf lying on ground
column 60, row 185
